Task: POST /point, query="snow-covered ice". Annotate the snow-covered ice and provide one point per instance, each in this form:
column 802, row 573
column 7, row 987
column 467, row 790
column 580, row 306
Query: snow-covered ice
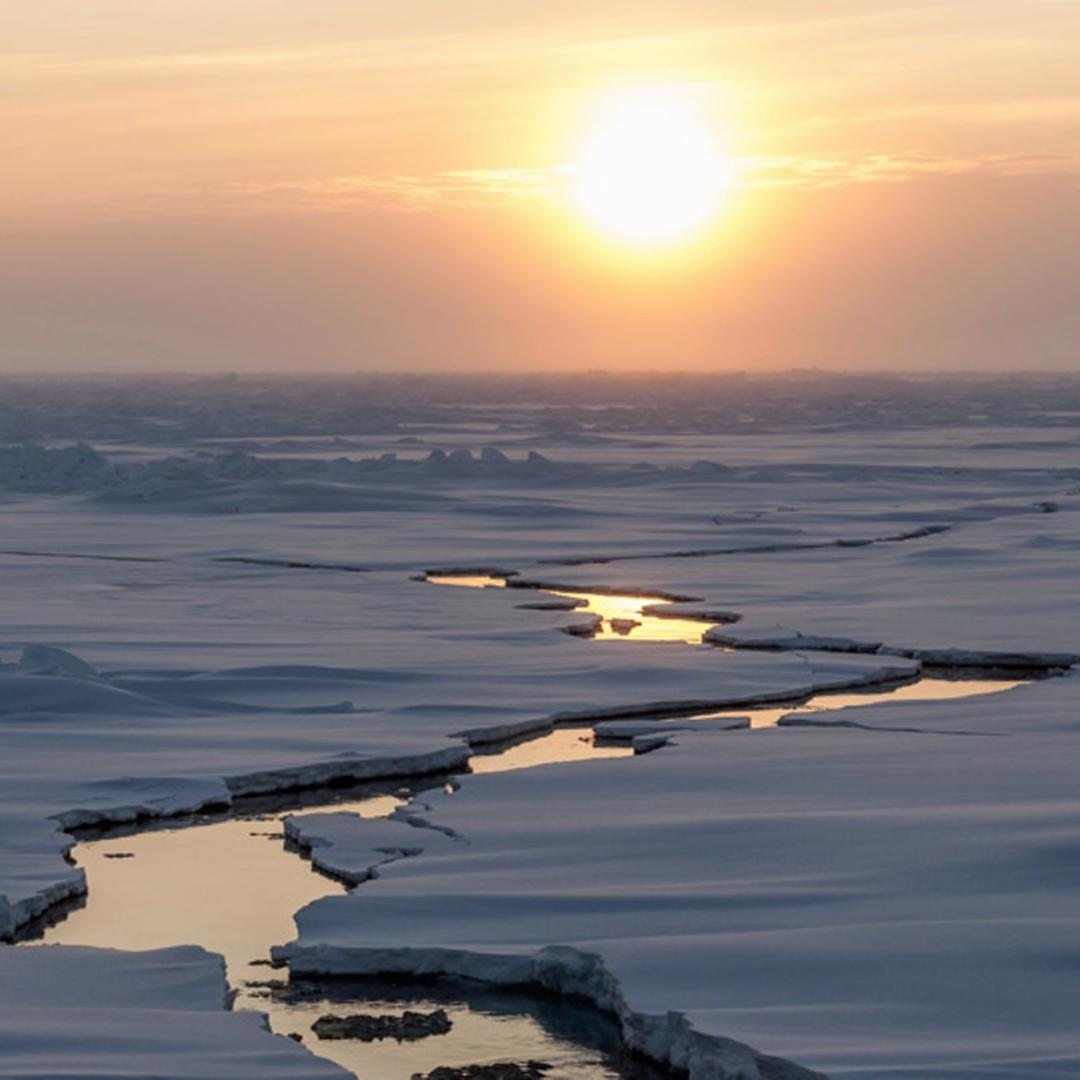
column 221, row 737
column 867, row 903
column 353, row 855
column 75, row 1012
column 222, row 599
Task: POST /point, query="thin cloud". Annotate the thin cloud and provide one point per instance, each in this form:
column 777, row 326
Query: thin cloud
column 878, row 168
column 479, row 188
column 399, row 191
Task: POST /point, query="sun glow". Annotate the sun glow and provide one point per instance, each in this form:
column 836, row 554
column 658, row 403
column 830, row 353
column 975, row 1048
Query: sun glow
column 650, row 172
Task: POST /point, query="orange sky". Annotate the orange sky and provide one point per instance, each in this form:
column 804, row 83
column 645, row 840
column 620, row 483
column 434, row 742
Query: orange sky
column 262, row 184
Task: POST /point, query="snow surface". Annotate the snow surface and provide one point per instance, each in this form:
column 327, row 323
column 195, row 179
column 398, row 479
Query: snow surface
column 354, row 856
column 72, row 1012
column 229, row 606
column 221, row 738
column 867, row 903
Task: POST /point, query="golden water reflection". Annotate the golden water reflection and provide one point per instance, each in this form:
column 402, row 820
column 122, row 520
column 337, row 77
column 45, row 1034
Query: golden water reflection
column 560, row 745
column 621, row 617
column 926, row 689
column 467, row 581
column 225, row 885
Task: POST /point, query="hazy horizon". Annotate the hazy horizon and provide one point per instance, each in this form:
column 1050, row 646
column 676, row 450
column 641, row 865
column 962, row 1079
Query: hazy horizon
column 491, row 375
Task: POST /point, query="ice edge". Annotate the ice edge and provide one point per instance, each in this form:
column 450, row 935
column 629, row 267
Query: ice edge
column 669, row 1039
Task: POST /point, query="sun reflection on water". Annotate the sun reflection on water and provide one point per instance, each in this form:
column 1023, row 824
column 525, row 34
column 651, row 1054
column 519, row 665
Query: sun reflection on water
column 927, row 688
column 621, row 617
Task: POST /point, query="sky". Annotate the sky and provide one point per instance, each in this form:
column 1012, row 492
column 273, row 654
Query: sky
column 334, row 185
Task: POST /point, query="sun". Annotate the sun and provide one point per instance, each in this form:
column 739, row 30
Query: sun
column 650, row 172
